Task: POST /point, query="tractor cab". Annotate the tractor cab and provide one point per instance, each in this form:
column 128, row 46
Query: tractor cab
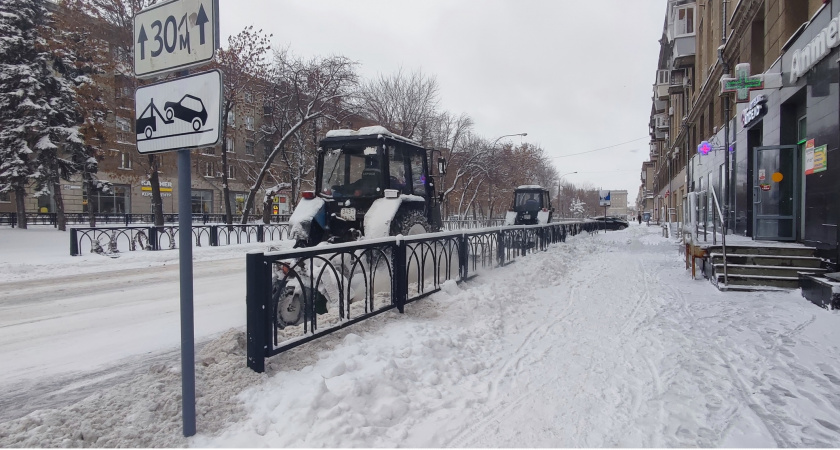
column 531, row 205
column 369, row 183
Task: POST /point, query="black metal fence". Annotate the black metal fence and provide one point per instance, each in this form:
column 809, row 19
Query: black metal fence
column 471, row 224
column 124, row 219
column 112, row 240
column 296, row 296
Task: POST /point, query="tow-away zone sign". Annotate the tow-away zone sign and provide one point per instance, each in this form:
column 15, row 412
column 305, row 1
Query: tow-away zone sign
column 181, row 113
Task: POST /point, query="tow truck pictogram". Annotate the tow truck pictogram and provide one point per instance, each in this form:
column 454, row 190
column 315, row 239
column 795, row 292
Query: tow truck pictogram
column 148, row 125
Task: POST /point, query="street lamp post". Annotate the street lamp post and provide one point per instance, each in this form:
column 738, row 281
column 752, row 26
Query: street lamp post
column 559, row 183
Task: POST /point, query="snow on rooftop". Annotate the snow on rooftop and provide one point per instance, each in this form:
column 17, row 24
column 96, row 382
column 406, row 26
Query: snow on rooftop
column 369, row 131
column 530, row 186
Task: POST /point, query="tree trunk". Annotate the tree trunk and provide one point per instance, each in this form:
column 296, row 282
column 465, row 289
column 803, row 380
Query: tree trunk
column 267, row 204
column 61, row 219
column 89, row 188
column 20, row 203
column 157, row 200
column 252, row 192
column 225, row 188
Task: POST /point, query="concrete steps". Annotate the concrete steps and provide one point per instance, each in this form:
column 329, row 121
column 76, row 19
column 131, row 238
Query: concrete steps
column 763, row 266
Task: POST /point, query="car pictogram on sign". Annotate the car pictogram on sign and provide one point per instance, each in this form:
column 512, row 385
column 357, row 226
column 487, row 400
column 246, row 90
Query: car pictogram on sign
column 189, row 109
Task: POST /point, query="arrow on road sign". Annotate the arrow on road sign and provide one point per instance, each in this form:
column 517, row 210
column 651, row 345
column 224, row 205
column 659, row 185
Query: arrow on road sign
column 142, row 41
column 200, row 21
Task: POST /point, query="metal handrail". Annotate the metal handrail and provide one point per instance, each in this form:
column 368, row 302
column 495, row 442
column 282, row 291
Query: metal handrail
column 723, row 236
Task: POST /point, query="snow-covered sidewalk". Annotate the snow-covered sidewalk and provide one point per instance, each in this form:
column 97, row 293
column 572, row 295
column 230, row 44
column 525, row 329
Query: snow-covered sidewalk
column 601, row 341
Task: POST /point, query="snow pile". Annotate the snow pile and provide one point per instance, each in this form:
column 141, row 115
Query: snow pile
column 301, row 219
column 144, row 411
column 379, row 217
column 375, row 130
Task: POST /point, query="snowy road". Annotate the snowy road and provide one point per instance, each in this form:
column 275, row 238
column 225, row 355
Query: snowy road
column 69, row 331
column 602, row 341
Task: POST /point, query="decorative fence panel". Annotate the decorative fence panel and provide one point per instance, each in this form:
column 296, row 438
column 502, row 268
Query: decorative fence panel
column 296, row 296
column 112, row 240
column 125, row 219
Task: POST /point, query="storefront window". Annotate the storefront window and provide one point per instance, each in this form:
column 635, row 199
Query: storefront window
column 237, row 202
column 115, row 201
column 45, row 203
column 202, row 201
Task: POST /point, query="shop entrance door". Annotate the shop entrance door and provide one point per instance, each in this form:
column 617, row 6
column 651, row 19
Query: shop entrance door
column 775, row 193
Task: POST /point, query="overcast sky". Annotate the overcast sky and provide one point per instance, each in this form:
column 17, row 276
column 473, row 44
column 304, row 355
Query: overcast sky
column 576, row 75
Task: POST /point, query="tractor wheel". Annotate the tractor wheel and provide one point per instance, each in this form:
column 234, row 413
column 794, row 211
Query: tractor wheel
column 288, row 306
column 409, row 222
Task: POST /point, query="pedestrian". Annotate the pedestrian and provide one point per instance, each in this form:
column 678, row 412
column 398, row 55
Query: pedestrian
column 639, row 218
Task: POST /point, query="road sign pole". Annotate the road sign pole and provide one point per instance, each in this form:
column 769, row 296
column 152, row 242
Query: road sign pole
column 187, row 324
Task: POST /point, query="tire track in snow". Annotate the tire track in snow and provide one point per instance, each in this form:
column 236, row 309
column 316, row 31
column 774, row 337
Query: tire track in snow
column 770, row 423
column 512, row 367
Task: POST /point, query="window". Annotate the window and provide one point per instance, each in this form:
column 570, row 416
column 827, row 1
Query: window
column 396, row 169
column 229, row 145
column 202, row 201
column 115, row 201
column 125, row 160
column 249, row 148
column 208, row 169
column 209, row 150
column 123, row 124
column 237, row 200
column 248, row 97
column 124, row 92
column 231, row 173
column 5, row 197
column 663, row 76
column 231, row 119
column 685, row 20
column 249, row 123
column 351, row 171
column 192, row 103
column 418, row 174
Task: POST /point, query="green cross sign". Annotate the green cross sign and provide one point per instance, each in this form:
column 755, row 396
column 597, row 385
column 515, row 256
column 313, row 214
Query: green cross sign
column 742, row 84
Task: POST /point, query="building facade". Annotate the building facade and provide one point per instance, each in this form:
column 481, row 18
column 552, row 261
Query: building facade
column 772, row 174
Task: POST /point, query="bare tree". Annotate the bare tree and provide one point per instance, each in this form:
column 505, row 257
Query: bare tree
column 117, row 19
column 303, row 90
column 449, row 133
column 402, row 102
column 244, row 67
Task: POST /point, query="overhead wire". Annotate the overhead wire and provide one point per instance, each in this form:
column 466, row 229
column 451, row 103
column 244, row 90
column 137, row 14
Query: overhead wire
column 602, row 148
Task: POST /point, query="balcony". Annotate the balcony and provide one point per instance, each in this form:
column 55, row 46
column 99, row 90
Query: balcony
column 679, row 81
column 685, row 48
column 660, row 105
column 661, row 121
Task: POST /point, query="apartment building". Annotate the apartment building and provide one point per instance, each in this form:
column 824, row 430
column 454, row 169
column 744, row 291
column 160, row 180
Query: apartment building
column 779, row 61
column 672, row 98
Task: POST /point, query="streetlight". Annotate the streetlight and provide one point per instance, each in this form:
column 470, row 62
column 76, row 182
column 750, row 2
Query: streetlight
column 559, row 179
column 490, row 184
column 493, row 145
